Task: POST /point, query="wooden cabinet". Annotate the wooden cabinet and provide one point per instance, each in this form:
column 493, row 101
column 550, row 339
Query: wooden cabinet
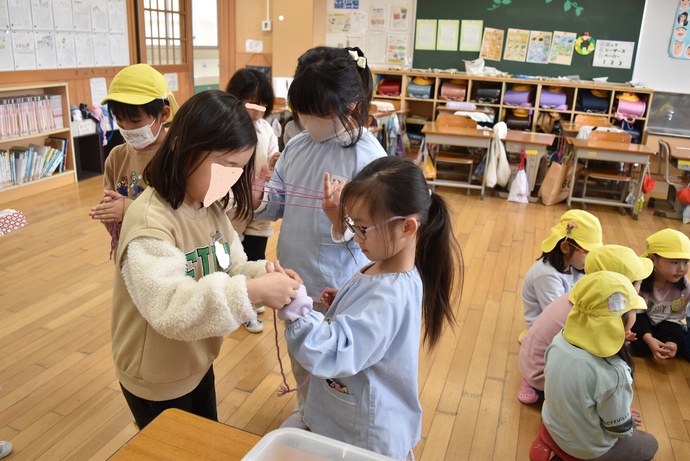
column 57, row 179
column 518, row 102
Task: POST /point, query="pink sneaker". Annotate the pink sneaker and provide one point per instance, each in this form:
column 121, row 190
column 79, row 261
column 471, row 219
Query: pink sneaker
column 527, row 394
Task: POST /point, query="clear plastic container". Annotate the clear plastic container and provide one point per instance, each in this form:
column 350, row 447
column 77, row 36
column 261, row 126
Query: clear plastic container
column 290, row 444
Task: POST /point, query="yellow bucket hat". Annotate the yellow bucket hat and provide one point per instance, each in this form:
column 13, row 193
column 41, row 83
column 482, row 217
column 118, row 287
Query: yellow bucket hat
column 669, row 244
column 599, row 301
column 140, row 84
column 578, row 225
column 620, row 259
column 628, row 97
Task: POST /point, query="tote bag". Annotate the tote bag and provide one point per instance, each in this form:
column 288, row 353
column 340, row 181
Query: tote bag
column 556, row 185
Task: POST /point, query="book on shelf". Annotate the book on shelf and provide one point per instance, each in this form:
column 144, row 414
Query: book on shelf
column 28, row 115
column 22, row 164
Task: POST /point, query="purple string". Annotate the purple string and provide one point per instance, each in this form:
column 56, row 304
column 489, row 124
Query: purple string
column 284, row 388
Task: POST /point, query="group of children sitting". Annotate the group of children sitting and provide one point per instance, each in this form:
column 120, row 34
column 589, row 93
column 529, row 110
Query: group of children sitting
column 584, row 314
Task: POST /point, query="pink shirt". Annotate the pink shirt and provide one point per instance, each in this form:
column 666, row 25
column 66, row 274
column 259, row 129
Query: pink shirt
column 539, row 337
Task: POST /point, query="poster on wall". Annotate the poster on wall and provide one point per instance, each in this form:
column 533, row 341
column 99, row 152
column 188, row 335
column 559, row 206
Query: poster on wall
column 492, row 44
column 539, row 47
column 375, row 50
column 399, row 18
column 346, row 4
column 680, row 42
column 425, row 38
column 447, row 38
column 397, row 48
column 516, row 45
column 471, row 35
column 562, row 48
column 338, row 23
column 613, row 53
column 377, row 17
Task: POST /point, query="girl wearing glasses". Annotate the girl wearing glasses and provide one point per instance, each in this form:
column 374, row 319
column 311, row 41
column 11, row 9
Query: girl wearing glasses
column 182, row 280
column 363, row 355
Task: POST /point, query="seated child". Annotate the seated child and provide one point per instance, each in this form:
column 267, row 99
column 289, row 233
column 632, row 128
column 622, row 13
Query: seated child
column 614, row 258
column 589, row 374
column 561, row 262
column 667, row 292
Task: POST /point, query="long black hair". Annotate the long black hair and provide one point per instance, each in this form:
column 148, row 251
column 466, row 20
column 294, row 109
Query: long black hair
column 392, row 186
column 251, row 84
column 555, row 257
column 329, row 82
column 209, row 121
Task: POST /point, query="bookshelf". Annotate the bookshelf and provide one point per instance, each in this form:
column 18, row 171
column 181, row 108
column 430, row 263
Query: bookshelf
column 58, row 179
column 478, row 87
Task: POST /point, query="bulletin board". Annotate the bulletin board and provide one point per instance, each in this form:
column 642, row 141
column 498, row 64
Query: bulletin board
column 615, row 23
column 63, row 34
column 382, row 29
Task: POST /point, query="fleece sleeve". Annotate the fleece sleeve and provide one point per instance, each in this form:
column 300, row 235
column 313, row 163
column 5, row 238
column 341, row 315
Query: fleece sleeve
column 174, row 304
column 240, row 265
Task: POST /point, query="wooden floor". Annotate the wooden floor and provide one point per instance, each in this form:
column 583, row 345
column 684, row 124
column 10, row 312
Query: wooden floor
column 61, row 401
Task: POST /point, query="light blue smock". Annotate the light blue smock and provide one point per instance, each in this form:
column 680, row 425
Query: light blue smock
column 364, row 362
column 305, row 244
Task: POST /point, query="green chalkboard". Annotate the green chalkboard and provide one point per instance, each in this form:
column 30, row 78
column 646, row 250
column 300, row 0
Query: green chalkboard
column 603, row 19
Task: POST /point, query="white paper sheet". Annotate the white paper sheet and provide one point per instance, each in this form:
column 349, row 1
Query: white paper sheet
column 117, row 16
column 4, row 16
column 6, row 57
column 62, row 15
column 24, row 50
column 99, row 90
column 46, row 57
column 81, row 15
column 65, row 50
column 83, row 43
column 41, row 15
column 119, row 50
column 99, row 15
column 101, row 50
column 20, row 14
column 614, row 53
column 375, row 50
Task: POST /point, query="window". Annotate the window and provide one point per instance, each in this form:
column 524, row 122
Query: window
column 166, row 35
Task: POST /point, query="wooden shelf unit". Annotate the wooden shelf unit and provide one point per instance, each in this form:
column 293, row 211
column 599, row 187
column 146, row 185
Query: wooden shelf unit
column 67, row 177
column 429, row 108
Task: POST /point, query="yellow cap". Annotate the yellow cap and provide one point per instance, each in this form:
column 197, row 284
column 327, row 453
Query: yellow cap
column 521, row 87
column 628, row 96
column 600, row 93
column 521, row 112
column 555, row 89
column 140, row 84
column 620, row 259
column 599, row 301
column 578, row 225
column 422, row 81
column 669, row 244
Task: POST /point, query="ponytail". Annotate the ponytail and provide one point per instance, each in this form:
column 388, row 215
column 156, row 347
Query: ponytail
column 438, row 259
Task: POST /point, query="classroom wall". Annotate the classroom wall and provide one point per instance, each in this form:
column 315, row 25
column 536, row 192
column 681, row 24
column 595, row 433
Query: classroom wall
column 248, row 17
column 653, row 66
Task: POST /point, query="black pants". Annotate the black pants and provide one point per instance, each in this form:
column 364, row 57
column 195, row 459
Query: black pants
column 201, row 401
column 663, row 331
column 255, row 247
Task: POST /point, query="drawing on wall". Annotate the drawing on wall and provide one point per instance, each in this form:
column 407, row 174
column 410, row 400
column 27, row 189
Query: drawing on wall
column 377, row 17
column 539, row 47
column 397, row 48
column 585, row 44
column 338, row 22
column 613, row 53
column 425, row 38
column 471, row 35
column 346, row 4
column 516, row 45
column 399, row 19
column 679, row 48
column 562, row 48
column 492, row 44
column 447, row 38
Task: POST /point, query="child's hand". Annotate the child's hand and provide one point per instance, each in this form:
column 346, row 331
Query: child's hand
column 636, row 417
column 111, row 209
column 327, row 296
column 258, row 184
column 273, row 289
column 671, row 349
column 630, row 336
column 289, row 272
column 660, row 351
column 272, row 161
column 331, row 201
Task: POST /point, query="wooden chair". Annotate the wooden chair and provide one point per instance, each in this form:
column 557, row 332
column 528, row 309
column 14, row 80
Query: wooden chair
column 591, row 120
column 622, row 174
column 459, row 121
column 452, row 157
column 674, row 182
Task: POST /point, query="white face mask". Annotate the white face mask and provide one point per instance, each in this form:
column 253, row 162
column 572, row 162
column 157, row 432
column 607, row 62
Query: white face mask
column 222, row 179
column 142, row 137
column 321, row 129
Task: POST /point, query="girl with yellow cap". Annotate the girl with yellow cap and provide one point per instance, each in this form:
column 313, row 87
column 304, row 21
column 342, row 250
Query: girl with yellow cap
column 667, row 292
column 561, row 262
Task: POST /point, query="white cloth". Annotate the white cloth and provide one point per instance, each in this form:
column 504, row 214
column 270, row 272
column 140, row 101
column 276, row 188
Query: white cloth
column 497, row 167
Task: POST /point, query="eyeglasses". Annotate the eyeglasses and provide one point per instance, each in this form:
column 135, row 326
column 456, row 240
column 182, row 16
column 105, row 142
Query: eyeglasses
column 360, row 231
column 576, row 247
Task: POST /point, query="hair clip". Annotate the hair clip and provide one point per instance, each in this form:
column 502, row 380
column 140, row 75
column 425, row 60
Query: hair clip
column 569, row 229
column 360, row 60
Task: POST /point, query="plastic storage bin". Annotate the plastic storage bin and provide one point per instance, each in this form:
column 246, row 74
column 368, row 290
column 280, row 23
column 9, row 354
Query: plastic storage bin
column 290, row 444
